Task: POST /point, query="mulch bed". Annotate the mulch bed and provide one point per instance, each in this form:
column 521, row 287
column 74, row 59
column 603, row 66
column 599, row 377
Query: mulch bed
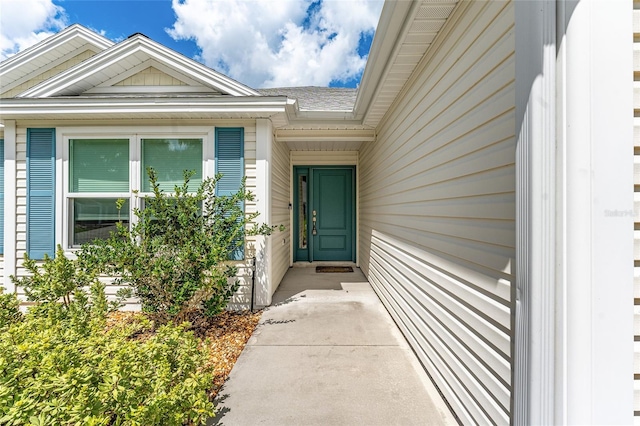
column 228, row 335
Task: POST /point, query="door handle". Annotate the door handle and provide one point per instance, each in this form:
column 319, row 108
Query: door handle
column 314, row 231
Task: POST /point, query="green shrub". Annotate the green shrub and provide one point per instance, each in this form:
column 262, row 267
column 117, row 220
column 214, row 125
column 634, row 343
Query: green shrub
column 58, row 375
column 58, row 365
column 176, row 256
column 56, row 280
column 9, row 309
column 65, row 290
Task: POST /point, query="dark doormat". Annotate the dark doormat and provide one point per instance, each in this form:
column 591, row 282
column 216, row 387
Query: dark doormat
column 321, row 269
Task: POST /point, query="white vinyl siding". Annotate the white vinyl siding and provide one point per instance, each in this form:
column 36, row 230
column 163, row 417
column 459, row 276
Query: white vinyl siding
column 636, row 198
column 437, row 211
column 242, row 298
column 280, row 213
column 21, row 201
column 151, row 77
column 3, row 209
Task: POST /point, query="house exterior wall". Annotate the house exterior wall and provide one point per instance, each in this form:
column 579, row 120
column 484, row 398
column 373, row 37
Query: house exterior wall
column 636, row 199
column 437, row 211
column 636, row 210
column 280, row 214
column 242, row 298
column 2, row 210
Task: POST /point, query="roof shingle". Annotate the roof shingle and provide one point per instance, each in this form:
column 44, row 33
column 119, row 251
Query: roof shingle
column 313, row 98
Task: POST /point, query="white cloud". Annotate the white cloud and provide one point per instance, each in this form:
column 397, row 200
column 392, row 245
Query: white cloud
column 267, row 43
column 23, row 23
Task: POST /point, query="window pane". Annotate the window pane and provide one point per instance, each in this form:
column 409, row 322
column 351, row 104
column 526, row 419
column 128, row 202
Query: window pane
column 99, row 165
column 170, row 158
column 96, row 218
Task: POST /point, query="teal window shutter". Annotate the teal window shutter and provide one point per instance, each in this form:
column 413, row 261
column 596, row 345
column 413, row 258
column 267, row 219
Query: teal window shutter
column 229, row 159
column 1, row 196
column 230, row 163
column 40, row 192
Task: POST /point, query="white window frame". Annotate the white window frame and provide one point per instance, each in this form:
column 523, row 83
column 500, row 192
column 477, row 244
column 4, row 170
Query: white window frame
column 134, row 134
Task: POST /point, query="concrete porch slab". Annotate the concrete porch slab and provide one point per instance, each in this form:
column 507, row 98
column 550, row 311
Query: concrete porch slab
column 328, row 353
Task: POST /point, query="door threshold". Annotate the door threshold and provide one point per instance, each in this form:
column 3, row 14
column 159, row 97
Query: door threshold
column 304, row 264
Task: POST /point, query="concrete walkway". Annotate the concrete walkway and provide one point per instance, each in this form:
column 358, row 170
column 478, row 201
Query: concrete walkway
column 328, row 353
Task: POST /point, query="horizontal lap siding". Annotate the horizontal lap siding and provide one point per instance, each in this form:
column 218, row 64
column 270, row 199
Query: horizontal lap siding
column 437, row 212
column 636, row 178
column 242, row 298
column 2, row 256
column 151, row 77
column 21, row 202
column 280, row 213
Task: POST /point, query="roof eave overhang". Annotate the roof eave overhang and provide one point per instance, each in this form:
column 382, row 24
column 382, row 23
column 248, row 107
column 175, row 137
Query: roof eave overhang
column 301, row 117
column 391, row 25
column 182, row 108
column 96, row 40
column 407, row 33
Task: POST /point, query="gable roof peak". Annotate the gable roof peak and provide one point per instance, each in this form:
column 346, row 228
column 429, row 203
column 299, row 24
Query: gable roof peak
column 75, row 31
column 137, row 34
column 134, row 51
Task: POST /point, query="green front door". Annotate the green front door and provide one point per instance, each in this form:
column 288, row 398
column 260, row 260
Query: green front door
column 325, row 213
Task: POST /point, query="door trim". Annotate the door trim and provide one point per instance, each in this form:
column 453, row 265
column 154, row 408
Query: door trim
column 303, row 170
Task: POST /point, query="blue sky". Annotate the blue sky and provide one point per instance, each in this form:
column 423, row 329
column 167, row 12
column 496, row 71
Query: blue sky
column 262, row 43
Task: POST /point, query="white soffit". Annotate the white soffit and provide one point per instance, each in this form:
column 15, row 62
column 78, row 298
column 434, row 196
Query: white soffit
column 331, row 145
column 423, row 22
column 328, row 139
column 49, row 53
column 121, row 58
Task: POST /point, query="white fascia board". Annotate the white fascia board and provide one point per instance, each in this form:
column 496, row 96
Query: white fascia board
column 47, row 45
column 147, row 90
column 24, row 108
column 325, row 115
column 56, row 85
column 38, row 71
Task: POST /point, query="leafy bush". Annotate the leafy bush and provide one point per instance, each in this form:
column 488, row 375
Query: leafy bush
column 57, row 280
column 59, row 366
column 177, row 255
column 59, row 286
column 9, row 309
column 55, row 374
